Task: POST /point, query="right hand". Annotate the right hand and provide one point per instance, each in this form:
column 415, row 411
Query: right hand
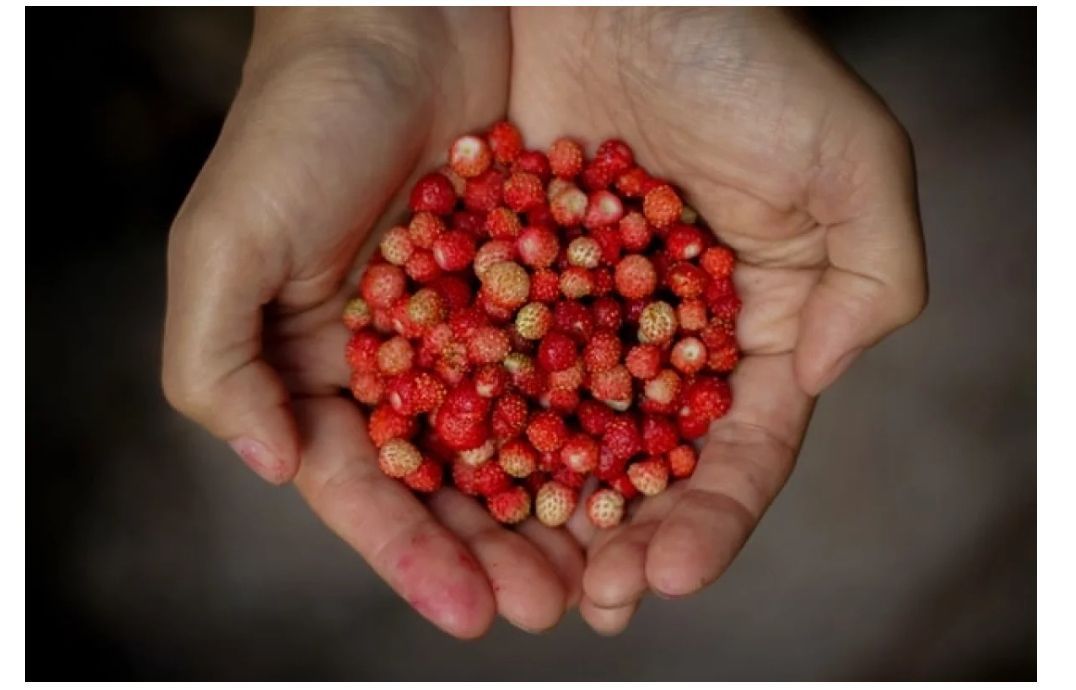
column 339, row 111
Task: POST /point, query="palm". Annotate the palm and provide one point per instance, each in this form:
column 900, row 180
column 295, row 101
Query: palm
column 710, row 105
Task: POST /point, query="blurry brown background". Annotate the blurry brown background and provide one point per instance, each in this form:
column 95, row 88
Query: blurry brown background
column 902, row 548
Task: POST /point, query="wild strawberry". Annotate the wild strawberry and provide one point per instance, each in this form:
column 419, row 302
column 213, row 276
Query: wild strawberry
column 421, row 267
column 424, row 230
column 464, row 478
column 479, row 455
column 533, row 383
column 726, row 310
column 623, row 486
column 427, row 478
column 605, row 508
column 716, row 335
column 470, row 222
column 533, row 320
column 594, row 417
column 557, row 351
column 576, row 282
column 491, row 380
column 469, row 156
column 382, row 320
column 509, row 416
column 511, row 506
column 635, row 277
column 602, row 352
column 386, row 423
column 635, row 233
column 565, row 158
column 357, row 314
column 458, row 183
column 533, row 162
column 691, row 314
column 562, row 399
column 492, row 252
column 570, row 378
column 382, row 284
column 484, row 192
column 693, row 426
column 595, row 177
column 662, row 206
column 491, row 479
column 549, row 462
column 688, row 355
column 615, row 156
column 502, row 224
column 545, row 286
column 437, row 338
column 622, row 438
column 631, row 183
column 659, row 434
column 569, row 206
column 724, row 359
column 499, row 314
column 537, row 247
column 609, row 464
column 396, row 245
column 717, row 290
column 682, row 461
column 523, row 191
column 395, row 356
column 612, row 386
column 517, row 458
column 649, row 476
column 464, row 322
column 657, row 323
column 718, row 261
column 633, row 309
column 554, row 504
column 488, row 345
column 584, row 252
column 506, row 142
column 644, row 361
column 662, row 390
column 580, row 453
column 452, row 365
column 706, row 396
column 574, row 319
column 608, row 239
column 541, row 217
column 546, row 431
column 507, row 284
column 401, row 320
column 368, row 387
column 603, row 208
column 684, row 242
column 426, row 308
column 686, row 281
column 414, row 392
column 459, row 430
column 607, row 313
column 398, row 458
column 569, row 478
column 433, row 193
column 453, row 250
column 518, row 364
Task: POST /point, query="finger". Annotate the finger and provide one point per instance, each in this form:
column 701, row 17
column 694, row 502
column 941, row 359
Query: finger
column 425, row 563
column 616, row 573
column 745, row 461
column 876, row 278
column 527, row 589
column 563, row 553
column 607, row 621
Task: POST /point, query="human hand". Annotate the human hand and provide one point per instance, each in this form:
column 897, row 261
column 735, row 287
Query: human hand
column 339, row 111
column 796, row 165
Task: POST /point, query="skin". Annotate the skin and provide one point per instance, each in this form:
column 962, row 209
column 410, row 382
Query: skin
column 792, row 160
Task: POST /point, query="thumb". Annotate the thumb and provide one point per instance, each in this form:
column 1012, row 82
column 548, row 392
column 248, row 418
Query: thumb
column 876, row 278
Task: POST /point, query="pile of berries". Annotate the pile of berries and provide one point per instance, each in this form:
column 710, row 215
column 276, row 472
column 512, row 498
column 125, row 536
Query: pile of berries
column 543, row 318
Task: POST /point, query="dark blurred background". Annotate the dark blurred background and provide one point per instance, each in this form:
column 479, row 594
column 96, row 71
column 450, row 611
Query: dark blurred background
column 902, row 548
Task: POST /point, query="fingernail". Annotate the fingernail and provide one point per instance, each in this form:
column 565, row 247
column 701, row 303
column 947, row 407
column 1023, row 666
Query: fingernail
column 260, row 459
column 838, row 368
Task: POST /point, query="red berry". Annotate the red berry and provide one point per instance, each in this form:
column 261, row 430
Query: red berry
column 386, row 424
column 469, row 156
column 511, row 506
column 533, row 320
column 686, row 281
column 649, row 476
column 506, row 142
column 689, row 355
column 545, row 286
column 661, row 391
column 382, row 285
column 422, row 267
column 612, row 386
column 398, row 458
column 569, row 206
column 718, row 261
column 546, row 431
column 569, row 478
column 584, row 252
column 608, row 239
column 596, row 177
column 724, row 359
column 594, row 417
column 557, row 351
column 659, row 434
column 518, row 458
column 574, row 319
column 632, row 183
column 576, row 282
column 533, row 162
column 488, row 345
column 563, row 399
column 396, row 245
column 554, row 504
column 368, row 387
column 691, row 313
column 470, row 222
column 433, row 193
column 623, row 486
column 607, row 313
column 492, row 252
column 565, row 158
column 502, row 224
column 602, row 352
column 662, row 206
column 706, row 396
column 621, row 438
column 357, row 314
column 692, row 426
column 464, row 478
column 484, row 192
column 507, row 284
column 684, row 242
column 635, row 277
column 644, row 361
column 415, row 392
column 615, row 156
column 603, row 208
column 682, row 461
column 635, row 232
column 657, row 323
column 509, row 416
column 605, row 508
column 395, row 356
column 523, row 191
column 427, row 478
column 454, row 289
column 580, row 453
column 537, row 247
column 491, row 380
column 491, row 479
